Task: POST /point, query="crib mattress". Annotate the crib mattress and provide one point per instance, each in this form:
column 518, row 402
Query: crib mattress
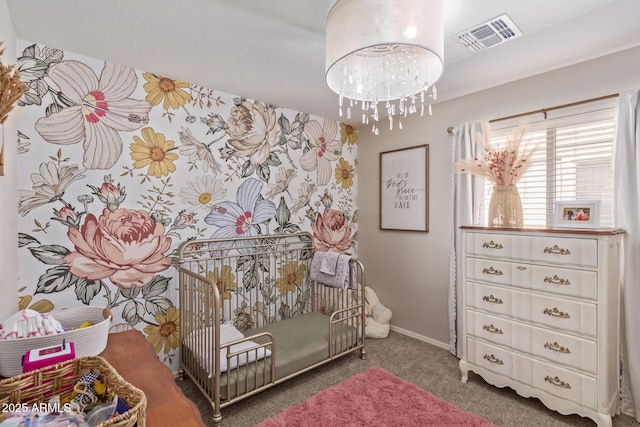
column 303, row 340
column 300, row 342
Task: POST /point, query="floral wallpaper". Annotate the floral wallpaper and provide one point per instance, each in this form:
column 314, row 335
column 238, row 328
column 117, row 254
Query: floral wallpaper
column 117, row 167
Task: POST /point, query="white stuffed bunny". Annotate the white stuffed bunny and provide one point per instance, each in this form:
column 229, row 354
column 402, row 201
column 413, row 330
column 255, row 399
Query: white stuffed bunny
column 377, row 316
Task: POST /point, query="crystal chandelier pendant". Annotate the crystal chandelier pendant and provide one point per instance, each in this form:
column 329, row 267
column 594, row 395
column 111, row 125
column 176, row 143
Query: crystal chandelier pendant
column 385, row 54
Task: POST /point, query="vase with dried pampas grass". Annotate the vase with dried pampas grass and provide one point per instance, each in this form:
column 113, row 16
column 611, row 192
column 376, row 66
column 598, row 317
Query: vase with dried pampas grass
column 503, row 165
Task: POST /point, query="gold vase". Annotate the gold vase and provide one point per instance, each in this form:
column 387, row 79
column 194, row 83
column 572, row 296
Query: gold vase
column 505, row 207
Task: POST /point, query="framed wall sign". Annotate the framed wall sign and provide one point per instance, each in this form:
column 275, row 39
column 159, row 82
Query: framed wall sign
column 577, row 214
column 404, row 189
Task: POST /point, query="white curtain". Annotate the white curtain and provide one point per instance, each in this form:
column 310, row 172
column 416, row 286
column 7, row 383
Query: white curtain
column 468, row 195
column 627, row 216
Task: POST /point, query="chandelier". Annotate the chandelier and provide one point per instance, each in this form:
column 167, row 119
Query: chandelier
column 385, row 55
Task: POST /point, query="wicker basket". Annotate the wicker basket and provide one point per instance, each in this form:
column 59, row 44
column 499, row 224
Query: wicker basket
column 39, row 386
column 89, row 341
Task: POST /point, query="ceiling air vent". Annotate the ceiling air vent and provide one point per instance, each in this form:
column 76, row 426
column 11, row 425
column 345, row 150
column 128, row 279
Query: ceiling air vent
column 488, row 34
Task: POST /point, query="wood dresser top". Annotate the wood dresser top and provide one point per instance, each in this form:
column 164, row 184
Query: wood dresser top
column 598, row 231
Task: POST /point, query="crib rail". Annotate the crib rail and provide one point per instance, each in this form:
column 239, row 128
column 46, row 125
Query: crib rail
column 249, row 377
column 255, row 276
column 252, row 282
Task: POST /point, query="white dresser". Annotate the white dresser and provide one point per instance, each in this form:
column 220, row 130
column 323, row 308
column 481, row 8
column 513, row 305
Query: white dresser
column 541, row 315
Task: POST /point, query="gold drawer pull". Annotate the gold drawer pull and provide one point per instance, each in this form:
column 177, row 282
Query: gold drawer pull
column 492, row 245
column 492, row 299
column 557, row 347
column 492, row 329
column 556, row 280
column 556, row 313
column 493, row 359
column 556, row 250
column 492, row 271
column 521, row 268
column 557, row 382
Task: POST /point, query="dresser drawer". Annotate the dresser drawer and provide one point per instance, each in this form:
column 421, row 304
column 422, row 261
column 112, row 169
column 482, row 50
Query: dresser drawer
column 563, row 383
column 562, row 281
column 557, row 313
column 565, row 251
column 495, row 359
column 494, row 245
column 565, row 281
column 499, row 300
column 554, row 380
column 556, row 347
column 495, row 271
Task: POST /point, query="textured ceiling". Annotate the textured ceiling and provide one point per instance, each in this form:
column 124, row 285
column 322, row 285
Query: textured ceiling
column 273, row 51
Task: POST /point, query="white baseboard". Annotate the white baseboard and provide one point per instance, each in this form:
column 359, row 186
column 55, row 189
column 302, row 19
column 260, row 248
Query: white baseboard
column 420, row 337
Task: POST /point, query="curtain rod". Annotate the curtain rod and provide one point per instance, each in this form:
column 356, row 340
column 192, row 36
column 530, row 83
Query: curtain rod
column 545, row 110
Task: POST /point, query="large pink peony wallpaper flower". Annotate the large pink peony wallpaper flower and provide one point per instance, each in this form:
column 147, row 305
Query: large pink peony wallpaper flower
column 117, row 167
column 124, row 245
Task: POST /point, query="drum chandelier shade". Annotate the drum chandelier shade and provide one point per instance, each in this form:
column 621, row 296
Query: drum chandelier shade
column 385, row 55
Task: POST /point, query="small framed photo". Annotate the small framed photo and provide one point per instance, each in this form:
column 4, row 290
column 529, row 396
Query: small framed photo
column 577, row 214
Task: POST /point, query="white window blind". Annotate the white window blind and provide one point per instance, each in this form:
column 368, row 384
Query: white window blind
column 573, row 161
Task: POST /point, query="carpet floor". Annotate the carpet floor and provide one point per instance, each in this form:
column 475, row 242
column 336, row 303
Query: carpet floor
column 429, row 367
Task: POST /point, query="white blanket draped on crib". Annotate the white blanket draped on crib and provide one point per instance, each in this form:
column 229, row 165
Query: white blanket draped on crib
column 332, row 269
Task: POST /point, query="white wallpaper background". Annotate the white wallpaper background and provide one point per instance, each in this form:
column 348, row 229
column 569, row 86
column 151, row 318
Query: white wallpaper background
column 117, row 167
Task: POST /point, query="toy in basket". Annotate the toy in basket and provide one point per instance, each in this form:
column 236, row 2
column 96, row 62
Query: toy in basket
column 88, row 341
column 37, row 388
column 38, row 358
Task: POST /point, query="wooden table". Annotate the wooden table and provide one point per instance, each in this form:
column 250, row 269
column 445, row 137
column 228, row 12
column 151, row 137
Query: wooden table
column 136, row 361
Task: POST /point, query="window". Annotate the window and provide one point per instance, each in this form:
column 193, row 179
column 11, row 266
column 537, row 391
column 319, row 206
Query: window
column 573, row 161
